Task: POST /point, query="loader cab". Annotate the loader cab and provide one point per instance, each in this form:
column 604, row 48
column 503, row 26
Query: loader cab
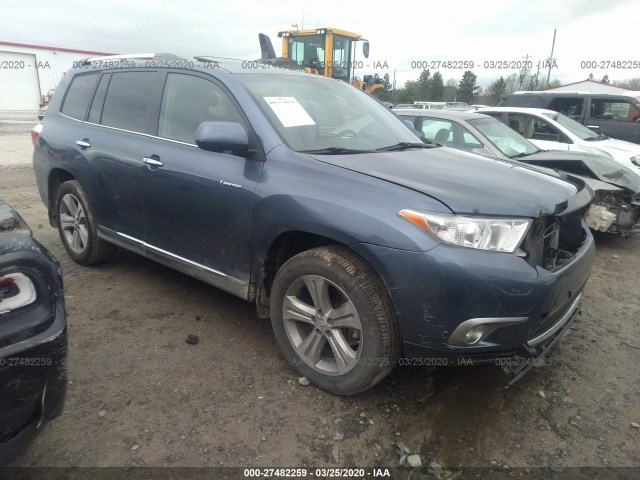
column 329, row 52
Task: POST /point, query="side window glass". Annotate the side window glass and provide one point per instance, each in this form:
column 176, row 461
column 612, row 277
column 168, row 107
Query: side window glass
column 469, row 140
column 571, row 107
column 438, row 130
column 542, row 127
column 95, row 112
column 187, row 102
column 79, row 95
column 129, row 101
column 619, row 110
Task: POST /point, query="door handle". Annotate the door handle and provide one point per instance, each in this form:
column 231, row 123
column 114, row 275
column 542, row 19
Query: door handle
column 153, row 162
column 593, row 126
column 83, row 143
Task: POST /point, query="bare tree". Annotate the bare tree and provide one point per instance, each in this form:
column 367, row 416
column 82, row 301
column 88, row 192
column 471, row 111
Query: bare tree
column 511, row 83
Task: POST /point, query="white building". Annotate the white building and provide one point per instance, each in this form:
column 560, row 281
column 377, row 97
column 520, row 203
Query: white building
column 592, row 86
column 28, row 72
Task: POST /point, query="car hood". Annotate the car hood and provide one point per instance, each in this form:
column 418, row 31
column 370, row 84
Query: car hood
column 602, row 169
column 468, row 183
column 614, row 144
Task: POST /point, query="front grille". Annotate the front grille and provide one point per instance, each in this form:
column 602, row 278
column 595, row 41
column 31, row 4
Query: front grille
column 553, row 241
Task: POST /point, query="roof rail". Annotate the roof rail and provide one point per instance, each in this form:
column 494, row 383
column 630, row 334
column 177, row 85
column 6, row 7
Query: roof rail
column 134, row 56
column 212, row 58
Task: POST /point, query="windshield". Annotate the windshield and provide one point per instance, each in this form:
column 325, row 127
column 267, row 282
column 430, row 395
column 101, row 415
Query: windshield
column 308, row 51
column 574, row 127
column 509, row 142
column 314, row 113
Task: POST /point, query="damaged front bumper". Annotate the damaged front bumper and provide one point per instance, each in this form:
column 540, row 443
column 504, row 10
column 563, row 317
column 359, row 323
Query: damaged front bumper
column 614, row 209
column 539, row 346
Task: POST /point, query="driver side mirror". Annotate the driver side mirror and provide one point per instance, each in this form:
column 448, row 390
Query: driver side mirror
column 365, row 49
column 216, row 136
column 607, row 116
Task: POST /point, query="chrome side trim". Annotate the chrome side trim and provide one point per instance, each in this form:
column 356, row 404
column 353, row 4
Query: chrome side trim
column 178, row 257
column 491, row 324
column 534, row 342
column 129, row 131
column 206, row 274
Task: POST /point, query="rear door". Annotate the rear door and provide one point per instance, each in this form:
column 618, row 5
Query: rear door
column 198, row 205
column 115, row 139
column 617, row 117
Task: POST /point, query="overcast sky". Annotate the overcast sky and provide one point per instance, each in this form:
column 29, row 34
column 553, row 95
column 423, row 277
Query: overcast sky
column 399, row 32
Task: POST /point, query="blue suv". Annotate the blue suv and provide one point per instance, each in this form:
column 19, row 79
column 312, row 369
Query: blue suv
column 366, row 247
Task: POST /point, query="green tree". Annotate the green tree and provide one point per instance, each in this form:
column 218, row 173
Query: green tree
column 497, row 89
column 423, row 83
column 467, row 88
column 436, row 89
column 387, row 82
column 409, row 93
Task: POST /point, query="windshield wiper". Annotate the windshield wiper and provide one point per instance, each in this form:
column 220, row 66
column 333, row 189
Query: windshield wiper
column 600, row 136
column 405, row 146
column 335, row 151
column 523, row 154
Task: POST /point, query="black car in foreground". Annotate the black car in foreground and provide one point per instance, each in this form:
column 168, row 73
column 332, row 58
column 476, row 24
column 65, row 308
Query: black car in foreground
column 33, row 336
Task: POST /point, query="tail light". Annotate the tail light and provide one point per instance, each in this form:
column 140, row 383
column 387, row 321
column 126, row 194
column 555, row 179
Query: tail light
column 35, row 133
column 16, row 290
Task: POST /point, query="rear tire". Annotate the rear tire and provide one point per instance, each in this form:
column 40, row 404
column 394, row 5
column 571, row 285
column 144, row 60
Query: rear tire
column 333, row 319
column 77, row 226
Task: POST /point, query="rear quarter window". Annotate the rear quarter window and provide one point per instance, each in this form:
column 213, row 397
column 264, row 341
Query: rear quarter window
column 79, row 95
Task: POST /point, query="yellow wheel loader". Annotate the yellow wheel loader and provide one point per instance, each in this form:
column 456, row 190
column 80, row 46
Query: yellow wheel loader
column 326, row 51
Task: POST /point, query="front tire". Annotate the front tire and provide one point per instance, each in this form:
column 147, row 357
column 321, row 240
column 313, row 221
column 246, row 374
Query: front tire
column 77, row 226
column 333, row 319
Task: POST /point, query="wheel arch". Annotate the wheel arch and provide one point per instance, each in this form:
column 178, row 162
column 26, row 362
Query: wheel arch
column 57, row 176
column 283, row 247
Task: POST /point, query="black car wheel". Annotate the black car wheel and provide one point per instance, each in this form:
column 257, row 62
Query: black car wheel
column 77, row 227
column 333, row 319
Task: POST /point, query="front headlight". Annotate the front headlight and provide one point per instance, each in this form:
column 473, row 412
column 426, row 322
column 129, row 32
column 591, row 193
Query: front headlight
column 484, row 233
column 636, row 160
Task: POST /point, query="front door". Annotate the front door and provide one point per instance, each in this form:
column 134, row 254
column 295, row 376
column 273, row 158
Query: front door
column 198, row 205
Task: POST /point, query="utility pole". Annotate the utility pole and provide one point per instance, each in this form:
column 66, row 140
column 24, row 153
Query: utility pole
column 551, row 59
column 537, row 76
column 523, row 73
column 393, row 93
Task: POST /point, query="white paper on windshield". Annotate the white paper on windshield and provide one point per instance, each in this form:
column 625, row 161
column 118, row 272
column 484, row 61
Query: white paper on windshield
column 289, row 111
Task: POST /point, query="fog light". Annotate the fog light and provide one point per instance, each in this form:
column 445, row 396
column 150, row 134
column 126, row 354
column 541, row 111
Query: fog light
column 471, row 331
column 474, row 335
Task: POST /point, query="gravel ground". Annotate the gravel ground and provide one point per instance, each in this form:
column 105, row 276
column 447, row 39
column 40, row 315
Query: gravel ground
column 139, row 395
